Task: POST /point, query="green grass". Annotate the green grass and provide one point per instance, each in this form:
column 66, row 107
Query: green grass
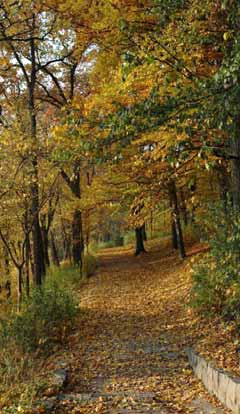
column 68, row 276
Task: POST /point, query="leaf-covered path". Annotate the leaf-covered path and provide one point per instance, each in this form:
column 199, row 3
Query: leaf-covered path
column 128, row 355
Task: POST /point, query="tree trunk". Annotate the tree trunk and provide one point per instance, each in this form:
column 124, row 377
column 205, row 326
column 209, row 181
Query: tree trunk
column 174, row 236
column 31, row 256
column 223, row 182
column 45, row 246
column 77, row 228
column 139, row 241
column 77, row 242
column 235, row 170
column 8, row 289
column 176, row 218
column 67, row 250
column 66, row 240
column 19, row 287
column 6, row 262
column 184, row 208
column 39, row 267
column 55, row 257
column 151, row 223
column 27, row 249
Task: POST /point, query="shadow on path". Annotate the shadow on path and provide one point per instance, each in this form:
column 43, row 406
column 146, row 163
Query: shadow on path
column 128, row 354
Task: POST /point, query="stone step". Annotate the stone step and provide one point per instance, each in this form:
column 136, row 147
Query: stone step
column 199, row 406
column 202, row 406
column 91, row 397
column 140, row 401
column 154, row 411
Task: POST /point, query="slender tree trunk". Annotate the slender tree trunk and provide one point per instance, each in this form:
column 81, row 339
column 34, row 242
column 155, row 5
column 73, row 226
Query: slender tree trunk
column 235, row 169
column 43, row 264
column 184, row 208
column 176, row 217
column 77, row 238
column 139, row 241
column 36, row 230
column 8, row 289
column 174, row 235
column 45, row 246
column 54, row 251
column 77, row 228
column 151, row 224
column 20, row 281
column 27, row 250
column 6, row 262
column 87, row 231
column 31, row 256
column 223, row 182
column 66, row 243
column 77, row 243
column 67, row 250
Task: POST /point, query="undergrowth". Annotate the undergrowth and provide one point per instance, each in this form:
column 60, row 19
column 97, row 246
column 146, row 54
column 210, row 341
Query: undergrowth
column 40, row 328
column 39, row 324
column 216, row 283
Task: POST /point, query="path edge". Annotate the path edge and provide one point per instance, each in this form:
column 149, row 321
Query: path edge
column 222, row 384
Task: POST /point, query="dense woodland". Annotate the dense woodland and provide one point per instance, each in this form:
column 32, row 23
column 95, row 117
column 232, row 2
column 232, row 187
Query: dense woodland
column 119, row 123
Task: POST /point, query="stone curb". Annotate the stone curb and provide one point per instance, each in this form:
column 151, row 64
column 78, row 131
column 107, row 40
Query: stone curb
column 222, row 384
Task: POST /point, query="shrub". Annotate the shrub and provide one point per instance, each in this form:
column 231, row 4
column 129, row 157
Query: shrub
column 89, row 265
column 129, row 238
column 216, row 282
column 65, row 277
column 41, row 318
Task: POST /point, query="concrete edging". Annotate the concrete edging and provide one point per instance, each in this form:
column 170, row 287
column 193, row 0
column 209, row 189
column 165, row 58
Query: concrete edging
column 222, row 384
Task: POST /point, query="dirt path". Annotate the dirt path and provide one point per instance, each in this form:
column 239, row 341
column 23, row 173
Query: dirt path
column 128, row 355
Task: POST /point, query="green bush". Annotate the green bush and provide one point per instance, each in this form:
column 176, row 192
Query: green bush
column 103, row 245
column 119, row 241
column 65, row 277
column 68, row 277
column 49, row 308
column 216, row 281
column 89, row 265
column 129, row 238
column 41, row 318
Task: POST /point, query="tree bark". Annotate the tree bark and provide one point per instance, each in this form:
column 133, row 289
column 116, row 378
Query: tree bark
column 235, row 169
column 77, row 237
column 55, row 257
column 184, row 208
column 45, row 246
column 77, row 228
column 176, row 217
column 36, row 230
column 20, row 281
column 6, row 261
column 151, row 223
column 27, row 267
column 174, row 236
column 139, row 241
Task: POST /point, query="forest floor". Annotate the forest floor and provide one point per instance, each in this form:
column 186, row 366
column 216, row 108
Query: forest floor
column 128, row 354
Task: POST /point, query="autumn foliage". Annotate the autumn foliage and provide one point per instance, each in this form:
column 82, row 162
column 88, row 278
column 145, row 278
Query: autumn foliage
column 119, row 123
